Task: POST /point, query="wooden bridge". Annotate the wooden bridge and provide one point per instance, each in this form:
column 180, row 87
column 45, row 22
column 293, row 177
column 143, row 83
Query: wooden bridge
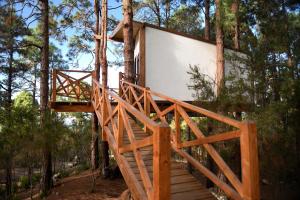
column 147, row 146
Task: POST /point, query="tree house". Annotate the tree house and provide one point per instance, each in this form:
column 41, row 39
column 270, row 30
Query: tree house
column 163, row 57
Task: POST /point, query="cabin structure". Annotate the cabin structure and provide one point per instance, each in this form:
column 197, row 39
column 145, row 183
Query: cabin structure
column 145, row 142
column 163, row 57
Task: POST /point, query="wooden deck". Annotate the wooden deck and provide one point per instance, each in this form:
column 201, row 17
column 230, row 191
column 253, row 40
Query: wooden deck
column 71, row 106
column 183, row 184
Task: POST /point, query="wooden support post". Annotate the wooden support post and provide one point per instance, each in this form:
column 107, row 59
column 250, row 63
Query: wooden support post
column 177, row 128
column 146, row 106
column 189, row 149
column 54, row 75
column 120, row 128
column 161, row 163
column 249, row 161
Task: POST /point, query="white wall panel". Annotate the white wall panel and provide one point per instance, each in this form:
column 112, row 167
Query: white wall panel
column 168, row 57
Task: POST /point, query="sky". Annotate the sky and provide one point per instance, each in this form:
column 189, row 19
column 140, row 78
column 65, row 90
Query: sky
column 84, row 60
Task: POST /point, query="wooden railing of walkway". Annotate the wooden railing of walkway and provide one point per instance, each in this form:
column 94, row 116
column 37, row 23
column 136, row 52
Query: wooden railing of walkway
column 247, row 188
column 115, row 111
column 115, row 114
column 69, row 87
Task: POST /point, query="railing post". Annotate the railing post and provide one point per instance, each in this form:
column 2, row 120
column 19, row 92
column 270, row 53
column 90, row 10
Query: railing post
column 54, row 74
column 146, row 106
column 120, row 128
column 177, row 127
column 161, row 163
column 249, row 161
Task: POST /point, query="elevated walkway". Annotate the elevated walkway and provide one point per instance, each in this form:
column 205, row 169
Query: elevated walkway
column 146, row 141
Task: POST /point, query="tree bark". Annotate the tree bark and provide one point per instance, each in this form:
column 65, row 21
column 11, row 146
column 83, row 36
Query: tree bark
column 207, row 20
column 44, row 91
column 168, row 9
column 104, row 43
column 95, row 126
column 95, row 142
column 235, row 10
column 8, row 163
column 104, row 144
column 128, row 40
column 220, row 48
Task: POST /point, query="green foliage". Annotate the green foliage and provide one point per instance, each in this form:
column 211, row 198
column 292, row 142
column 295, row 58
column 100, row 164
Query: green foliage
column 24, row 182
column 186, row 19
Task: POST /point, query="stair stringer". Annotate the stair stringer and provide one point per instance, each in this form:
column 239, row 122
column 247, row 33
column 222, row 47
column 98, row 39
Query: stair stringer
column 130, row 178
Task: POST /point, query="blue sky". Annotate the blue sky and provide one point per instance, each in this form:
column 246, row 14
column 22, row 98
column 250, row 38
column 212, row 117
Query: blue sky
column 84, row 60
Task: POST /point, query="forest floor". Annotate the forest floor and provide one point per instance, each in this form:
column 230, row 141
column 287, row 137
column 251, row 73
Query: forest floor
column 79, row 187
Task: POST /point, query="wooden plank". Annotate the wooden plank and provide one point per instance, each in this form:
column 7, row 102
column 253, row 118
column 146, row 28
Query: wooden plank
column 230, row 192
column 130, row 178
column 197, row 109
column 138, row 157
column 137, row 144
column 136, row 99
column 212, row 152
column 249, row 159
column 165, row 111
column 177, row 127
column 142, row 59
column 161, row 163
column 71, row 108
column 211, row 139
column 191, row 195
column 120, row 134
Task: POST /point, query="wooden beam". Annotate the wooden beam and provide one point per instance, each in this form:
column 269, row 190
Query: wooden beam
column 229, row 191
column 142, row 59
column 161, row 163
column 137, row 144
column 57, row 107
column 249, row 159
column 212, row 139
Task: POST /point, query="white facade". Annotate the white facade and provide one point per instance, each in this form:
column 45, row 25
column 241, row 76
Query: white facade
column 163, row 57
column 169, row 57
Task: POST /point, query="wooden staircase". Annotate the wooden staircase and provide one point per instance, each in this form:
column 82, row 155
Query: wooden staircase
column 183, row 184
column 143, row 142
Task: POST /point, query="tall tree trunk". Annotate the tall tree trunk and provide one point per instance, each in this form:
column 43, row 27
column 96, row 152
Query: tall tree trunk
column 104, row 144
column 220, row 48
column 168, row 9
column 95, row 126
column 207, row 20
column 104, row 43
column 44, row 91
column 8, row 164
column 235, row 10
column 128, row 40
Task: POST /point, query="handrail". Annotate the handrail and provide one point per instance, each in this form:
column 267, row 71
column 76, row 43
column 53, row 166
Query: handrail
column 67, row 86
column 113, row 113
column 247, row 188
column 191, row 107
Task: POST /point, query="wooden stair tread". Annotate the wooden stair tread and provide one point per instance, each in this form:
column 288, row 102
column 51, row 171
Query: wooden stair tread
column 183, row 185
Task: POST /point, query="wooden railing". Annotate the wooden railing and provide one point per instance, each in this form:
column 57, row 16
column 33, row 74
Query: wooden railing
column 115, row 115
column 143, row 99
column 71, row 88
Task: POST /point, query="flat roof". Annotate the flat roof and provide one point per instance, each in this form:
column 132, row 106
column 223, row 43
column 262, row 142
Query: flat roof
column 117, row 34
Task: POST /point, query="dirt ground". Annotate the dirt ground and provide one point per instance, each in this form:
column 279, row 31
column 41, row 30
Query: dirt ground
column 79, row 187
